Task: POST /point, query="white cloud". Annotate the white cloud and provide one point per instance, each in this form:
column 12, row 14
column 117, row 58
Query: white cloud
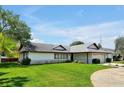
column 36, row 40
column 109, row 31
column 91, row 33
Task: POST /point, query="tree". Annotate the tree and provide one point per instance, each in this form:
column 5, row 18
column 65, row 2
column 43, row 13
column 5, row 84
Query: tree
column 119, row 45
column 20, row 33
column 11, row 26
column 7, row 46
column 76, row 43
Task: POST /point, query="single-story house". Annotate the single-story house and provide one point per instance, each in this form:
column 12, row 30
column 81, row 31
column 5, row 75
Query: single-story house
column 45, row 53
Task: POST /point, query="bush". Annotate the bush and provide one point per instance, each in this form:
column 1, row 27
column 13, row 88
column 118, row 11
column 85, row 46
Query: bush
column 117, row 58
column 96, row 61
column 26, row 61
column 108, row 60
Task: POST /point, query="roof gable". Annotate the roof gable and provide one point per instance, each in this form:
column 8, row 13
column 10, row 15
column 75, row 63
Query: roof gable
column 60, row 48
column 93, row 46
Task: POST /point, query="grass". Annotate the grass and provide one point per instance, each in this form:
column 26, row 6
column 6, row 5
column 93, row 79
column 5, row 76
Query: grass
column 47, row 75
column 121, row 62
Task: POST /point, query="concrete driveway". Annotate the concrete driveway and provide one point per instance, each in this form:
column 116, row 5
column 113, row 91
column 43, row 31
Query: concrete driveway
column 113, row 77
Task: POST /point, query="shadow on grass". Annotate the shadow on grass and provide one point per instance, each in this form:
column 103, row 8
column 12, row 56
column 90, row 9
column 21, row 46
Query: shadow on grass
column 3, row 73
column 13, row 82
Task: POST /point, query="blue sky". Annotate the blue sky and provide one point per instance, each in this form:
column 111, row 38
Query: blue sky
column 64, row 24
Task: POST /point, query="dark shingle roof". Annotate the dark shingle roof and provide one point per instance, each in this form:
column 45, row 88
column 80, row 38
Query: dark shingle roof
column 108, row 50
column 40, row 47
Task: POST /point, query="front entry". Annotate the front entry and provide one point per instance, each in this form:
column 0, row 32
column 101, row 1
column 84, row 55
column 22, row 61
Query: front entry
column 72, row 58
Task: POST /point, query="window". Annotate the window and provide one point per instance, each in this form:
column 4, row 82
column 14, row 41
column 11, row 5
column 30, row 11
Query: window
column 55, row 56
column 66, row 56
column 60, row 56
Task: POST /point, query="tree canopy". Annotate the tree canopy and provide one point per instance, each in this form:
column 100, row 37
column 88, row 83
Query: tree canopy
column 119, row 45
column 12, row 26
column 76, row 43
column 12, row 30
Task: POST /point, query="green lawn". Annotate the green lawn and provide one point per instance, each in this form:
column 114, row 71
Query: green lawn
column 51, row 75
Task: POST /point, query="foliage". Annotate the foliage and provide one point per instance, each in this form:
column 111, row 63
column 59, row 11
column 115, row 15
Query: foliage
column 76, row 43
column 49, row 75
column 119, row 45
column 108, row 60
column 14, row 30
column 7, row 46
column 13, row 27
column 26, row 61
column 117, row 58
column 96, row 61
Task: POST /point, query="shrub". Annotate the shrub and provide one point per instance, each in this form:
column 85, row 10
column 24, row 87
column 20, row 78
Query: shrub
column 96, row 61
column 108, row 60
column 26, row 61
column 117, row 58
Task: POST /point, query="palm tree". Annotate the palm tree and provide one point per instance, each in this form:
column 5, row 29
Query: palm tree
column 7, row 46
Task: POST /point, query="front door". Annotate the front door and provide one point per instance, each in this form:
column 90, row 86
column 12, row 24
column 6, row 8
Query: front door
column 72, row 59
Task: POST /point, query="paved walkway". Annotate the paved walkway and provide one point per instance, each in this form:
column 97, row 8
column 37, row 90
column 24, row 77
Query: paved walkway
column 113, row 77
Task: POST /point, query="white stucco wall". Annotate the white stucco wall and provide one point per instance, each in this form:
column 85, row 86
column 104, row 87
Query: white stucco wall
column 37, row 58
column 100, row 56
column 82, row 57
column 110, row 55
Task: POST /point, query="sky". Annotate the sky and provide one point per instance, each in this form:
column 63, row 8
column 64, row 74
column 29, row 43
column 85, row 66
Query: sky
column 65, row 24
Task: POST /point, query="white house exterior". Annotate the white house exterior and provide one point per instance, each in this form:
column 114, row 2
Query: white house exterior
column 48, row 53
column 45, row 53
column 86, row 52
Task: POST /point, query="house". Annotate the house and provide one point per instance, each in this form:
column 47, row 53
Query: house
column 87, row 52
column 49, row 53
